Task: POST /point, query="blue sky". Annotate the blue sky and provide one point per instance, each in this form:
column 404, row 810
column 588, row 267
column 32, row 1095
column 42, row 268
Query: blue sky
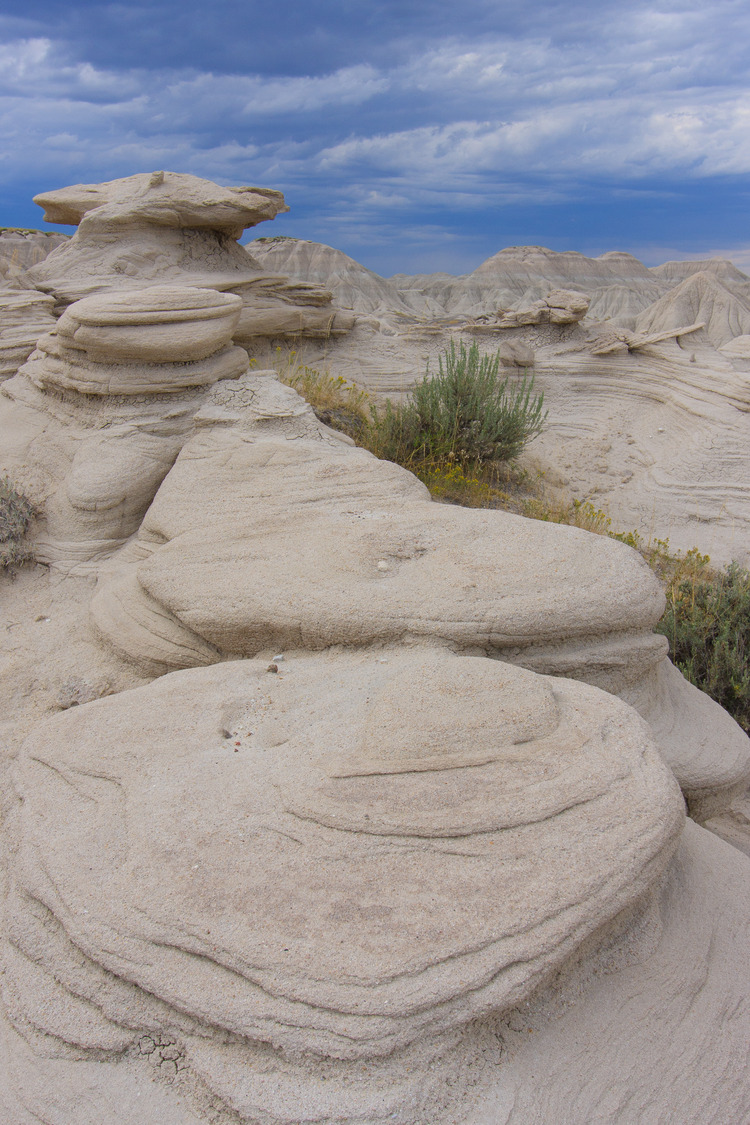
column 416, row 136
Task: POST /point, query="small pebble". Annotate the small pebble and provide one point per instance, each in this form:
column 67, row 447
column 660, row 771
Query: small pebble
column 272, row 668
column 278, row 659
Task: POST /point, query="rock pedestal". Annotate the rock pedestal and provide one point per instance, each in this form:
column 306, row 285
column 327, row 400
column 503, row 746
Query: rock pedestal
column 165, row 227
column 103, row 370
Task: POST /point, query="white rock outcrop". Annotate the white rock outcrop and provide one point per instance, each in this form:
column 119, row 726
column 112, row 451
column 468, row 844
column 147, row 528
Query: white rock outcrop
column 701, row 297
column 263, row 490
column 341, row 871
column 337, row 825
column 24, row 316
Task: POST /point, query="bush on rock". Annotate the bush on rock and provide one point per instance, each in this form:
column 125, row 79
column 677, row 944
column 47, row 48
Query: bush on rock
column 707, row 623
column 465, row 414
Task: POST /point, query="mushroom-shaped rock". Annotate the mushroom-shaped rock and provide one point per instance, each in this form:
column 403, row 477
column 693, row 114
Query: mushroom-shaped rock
column 165, row 199
column 171, row 228
column 356, row 852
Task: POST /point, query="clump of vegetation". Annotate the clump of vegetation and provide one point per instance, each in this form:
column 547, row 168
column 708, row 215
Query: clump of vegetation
column 336, row 402
column 449, row 482
column 465, row 414
column 707, row 624
column 16, row 514
column 707, row 619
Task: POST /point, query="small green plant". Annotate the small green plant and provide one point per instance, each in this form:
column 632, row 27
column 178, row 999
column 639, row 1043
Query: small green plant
column 465, row 413
column 16, row 513
column 448, row 482
column 707, row 624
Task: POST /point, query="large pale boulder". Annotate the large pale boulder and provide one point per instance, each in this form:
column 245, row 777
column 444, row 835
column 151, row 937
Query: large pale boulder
column 560, row 306
column 344, row 857
column 272, row 532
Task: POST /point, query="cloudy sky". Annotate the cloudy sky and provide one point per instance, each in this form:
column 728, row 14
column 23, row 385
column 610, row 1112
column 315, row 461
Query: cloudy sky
column 416, row 135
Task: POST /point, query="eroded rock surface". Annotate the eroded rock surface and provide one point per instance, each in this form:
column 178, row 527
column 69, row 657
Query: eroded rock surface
column 341, row 857
column 390, row 864
column 653, row 1024
column 270, row 531
column 143, row 341
column 24, row 316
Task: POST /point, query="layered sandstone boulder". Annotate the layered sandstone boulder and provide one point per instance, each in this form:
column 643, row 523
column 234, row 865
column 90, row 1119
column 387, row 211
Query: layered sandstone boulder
column 560, row 306
column 121, row 351
column 142, row 341
column 341, row 858
column 273, row 532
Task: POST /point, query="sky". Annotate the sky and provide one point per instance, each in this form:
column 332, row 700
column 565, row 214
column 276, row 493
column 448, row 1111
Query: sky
column 415, row 135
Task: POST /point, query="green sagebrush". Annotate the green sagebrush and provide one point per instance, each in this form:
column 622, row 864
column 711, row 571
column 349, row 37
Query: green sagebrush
column 465, row 412
column 707, row 624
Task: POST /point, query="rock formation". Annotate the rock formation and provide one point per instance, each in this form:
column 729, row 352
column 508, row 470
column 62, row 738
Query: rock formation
column 169, row 295
column 24, row 316
column 552, row 598
column 119, row 347
column 177, row 229
column 559, row 306
column 341, row 873
column 342, row 820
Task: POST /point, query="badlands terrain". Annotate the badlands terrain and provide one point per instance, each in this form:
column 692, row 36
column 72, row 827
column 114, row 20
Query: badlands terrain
column 323, row 802
column 646, row 372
